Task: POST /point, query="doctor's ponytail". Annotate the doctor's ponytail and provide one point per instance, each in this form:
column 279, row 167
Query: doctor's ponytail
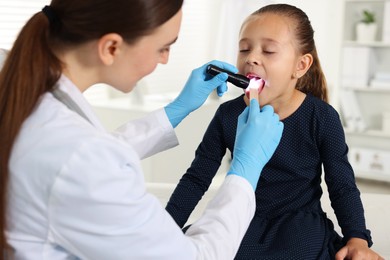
column 29, row 71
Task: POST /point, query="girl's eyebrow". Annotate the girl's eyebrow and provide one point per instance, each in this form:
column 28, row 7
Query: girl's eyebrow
column 268, row 40
column 264, row 42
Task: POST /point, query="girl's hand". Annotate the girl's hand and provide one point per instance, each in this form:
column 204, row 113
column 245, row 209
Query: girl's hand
column 357, row 249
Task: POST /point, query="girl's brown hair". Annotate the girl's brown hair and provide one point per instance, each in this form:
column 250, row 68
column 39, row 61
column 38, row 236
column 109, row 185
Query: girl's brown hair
column 313, row 81
column 31, row 68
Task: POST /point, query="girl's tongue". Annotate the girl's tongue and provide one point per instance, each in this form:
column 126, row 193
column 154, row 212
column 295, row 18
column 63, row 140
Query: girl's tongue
column 255, row 82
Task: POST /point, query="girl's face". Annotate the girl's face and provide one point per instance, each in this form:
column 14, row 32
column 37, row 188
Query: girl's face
column 266, row 50
column 140, row 59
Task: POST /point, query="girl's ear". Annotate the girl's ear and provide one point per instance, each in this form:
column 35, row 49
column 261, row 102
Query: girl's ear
column 303, row 65
column 109, row 47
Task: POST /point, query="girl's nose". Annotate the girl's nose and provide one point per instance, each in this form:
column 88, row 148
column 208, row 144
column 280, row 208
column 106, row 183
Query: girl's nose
column 253, row 59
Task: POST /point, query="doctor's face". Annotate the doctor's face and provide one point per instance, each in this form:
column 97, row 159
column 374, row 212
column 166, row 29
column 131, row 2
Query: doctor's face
column 142, row 57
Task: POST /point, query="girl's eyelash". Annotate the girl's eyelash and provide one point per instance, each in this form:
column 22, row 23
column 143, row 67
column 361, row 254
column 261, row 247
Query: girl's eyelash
column 266, row 52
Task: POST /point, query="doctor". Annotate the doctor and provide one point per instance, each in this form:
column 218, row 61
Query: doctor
column 70, row 190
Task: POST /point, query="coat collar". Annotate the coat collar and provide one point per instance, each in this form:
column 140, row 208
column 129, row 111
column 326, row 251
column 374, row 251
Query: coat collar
column 67, row 86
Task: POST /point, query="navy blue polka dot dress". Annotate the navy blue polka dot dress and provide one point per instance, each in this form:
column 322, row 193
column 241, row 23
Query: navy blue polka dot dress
column 289, row 222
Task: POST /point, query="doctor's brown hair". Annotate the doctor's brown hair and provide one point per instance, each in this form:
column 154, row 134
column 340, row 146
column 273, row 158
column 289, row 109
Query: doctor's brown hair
column 31, row 68
column 313, row 81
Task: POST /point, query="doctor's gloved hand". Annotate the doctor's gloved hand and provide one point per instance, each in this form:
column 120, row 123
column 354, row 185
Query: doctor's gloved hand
column 257, row 137
column 197, row 89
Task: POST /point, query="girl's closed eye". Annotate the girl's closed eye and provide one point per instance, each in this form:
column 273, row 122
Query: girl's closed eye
column 244, row 46
column 269, row 49
column 268, row 52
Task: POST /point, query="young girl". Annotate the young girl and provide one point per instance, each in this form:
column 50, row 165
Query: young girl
column 71, row 190
column 276, row 44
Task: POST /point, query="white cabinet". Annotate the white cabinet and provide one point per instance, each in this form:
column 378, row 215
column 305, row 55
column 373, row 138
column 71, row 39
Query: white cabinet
column 365, row 90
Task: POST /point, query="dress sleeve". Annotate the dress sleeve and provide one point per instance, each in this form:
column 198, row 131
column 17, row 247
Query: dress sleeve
column 148, row 135
column 99, row 209
column 196, row 181
column 339, row 176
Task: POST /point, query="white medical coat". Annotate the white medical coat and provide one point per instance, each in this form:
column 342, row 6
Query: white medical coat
column 77, row 192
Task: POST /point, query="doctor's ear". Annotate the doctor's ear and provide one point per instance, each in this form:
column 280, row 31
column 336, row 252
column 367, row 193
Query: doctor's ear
column 303, row 65
column 108, row 47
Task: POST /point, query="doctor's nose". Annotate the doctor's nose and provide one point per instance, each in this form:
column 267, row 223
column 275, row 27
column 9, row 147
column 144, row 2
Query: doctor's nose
column 164, row 57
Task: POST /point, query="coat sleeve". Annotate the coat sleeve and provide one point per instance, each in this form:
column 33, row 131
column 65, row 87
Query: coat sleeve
column 148, row 135
column 99, row 209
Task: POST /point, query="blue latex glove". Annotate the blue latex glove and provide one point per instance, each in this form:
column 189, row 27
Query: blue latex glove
column 197, row 89
column 258, row 134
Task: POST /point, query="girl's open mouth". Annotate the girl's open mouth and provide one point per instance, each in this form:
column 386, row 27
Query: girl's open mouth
column 255, row 82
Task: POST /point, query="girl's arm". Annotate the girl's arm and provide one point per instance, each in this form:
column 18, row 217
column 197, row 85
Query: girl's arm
column 339, row 176
column 196, row 181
